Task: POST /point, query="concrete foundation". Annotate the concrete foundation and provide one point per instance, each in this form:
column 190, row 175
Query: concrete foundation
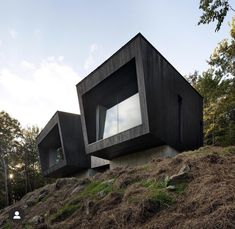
column 135, row 159
column 98, row 162
column 97, row 165
column 143, row 157
column 84, row 173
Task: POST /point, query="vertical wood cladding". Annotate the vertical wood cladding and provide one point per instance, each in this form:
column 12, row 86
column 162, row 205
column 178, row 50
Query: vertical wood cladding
column 164, row 87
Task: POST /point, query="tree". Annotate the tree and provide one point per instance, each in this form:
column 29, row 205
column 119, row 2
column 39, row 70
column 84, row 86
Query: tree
column 223, row 57
column 19, row 160
column 214, row 10
column 25, row 166
column 30, row 157
column 217, row 86
column 10, row 135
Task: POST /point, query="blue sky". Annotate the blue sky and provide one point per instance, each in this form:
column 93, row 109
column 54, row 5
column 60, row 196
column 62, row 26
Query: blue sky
column 47, row 46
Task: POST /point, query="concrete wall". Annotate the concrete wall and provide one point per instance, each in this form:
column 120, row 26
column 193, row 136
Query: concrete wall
column 143, row 157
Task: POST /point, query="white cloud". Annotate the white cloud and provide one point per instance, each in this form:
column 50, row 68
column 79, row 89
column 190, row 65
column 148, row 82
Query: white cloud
column 27, row 65
column 34, row 99
column 50, row 58
column 0, row 43
column 13, row 33
column 95, row 58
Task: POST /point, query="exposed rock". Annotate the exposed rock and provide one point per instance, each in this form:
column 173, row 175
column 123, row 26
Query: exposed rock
column 84, row 181
column 133, row 202
column 64, row 181
column 171, row 187
column 32, row 201
column 178, row 177
column 101, row 194
column 77, row 189
column 23, row 207
column 185, row 169
column 183, row 174
column 37, row 220
column 60, row 183
column 43, row 193
column 46, row 190
column 88, row 205
column 108, row 181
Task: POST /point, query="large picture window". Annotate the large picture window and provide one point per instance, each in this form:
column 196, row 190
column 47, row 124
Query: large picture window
column 122, row 116
column 51, row 148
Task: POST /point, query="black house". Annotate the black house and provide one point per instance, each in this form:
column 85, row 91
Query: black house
column 137, row 100
column 61, row 146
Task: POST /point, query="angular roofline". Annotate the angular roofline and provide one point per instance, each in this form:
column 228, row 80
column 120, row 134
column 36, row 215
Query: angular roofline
column 115, row 53
column 168, row 62
column 56, row 113
column 135, row 37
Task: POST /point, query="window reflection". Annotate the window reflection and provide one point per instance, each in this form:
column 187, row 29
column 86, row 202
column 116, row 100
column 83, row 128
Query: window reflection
column 55, row 156
column 111, row 122
column 121, row 117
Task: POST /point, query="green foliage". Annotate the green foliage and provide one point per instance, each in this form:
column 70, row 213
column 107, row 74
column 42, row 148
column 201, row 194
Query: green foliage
column 217, row 86
column 64, row 213
column 18, row 157
column 214, row 10
column 152, row 183
column 223, row 56
column 10, row 133
column 219, row 107
column 28, row 226
column 158, row 192
column 96, row 187
column 92, row 190
column 162, row 196
column 7, row 225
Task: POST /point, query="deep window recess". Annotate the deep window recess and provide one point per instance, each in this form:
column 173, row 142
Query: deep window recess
column 180, row 118
column 51, row 148
column 113, row 106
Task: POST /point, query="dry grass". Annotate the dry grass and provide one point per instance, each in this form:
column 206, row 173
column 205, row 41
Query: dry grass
column 138, row 198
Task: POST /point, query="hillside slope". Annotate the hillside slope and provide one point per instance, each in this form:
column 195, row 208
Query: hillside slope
column 192, row 190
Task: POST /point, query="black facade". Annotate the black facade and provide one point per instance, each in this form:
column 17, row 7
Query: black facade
column 137, row 100
column 61, row 146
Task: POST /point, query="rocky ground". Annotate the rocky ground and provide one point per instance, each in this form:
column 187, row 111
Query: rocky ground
column 192, row 190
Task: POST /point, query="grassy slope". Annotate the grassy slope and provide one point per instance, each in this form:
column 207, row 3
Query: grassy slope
column 139, row 198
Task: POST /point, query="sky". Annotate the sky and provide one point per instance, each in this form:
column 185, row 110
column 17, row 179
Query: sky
column 48, row 46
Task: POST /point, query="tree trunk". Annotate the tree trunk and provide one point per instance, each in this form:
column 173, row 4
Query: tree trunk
column 27, row 178
column 6, row 181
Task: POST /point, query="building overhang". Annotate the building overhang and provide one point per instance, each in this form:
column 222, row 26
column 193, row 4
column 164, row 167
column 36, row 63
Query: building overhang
column 61, row 147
